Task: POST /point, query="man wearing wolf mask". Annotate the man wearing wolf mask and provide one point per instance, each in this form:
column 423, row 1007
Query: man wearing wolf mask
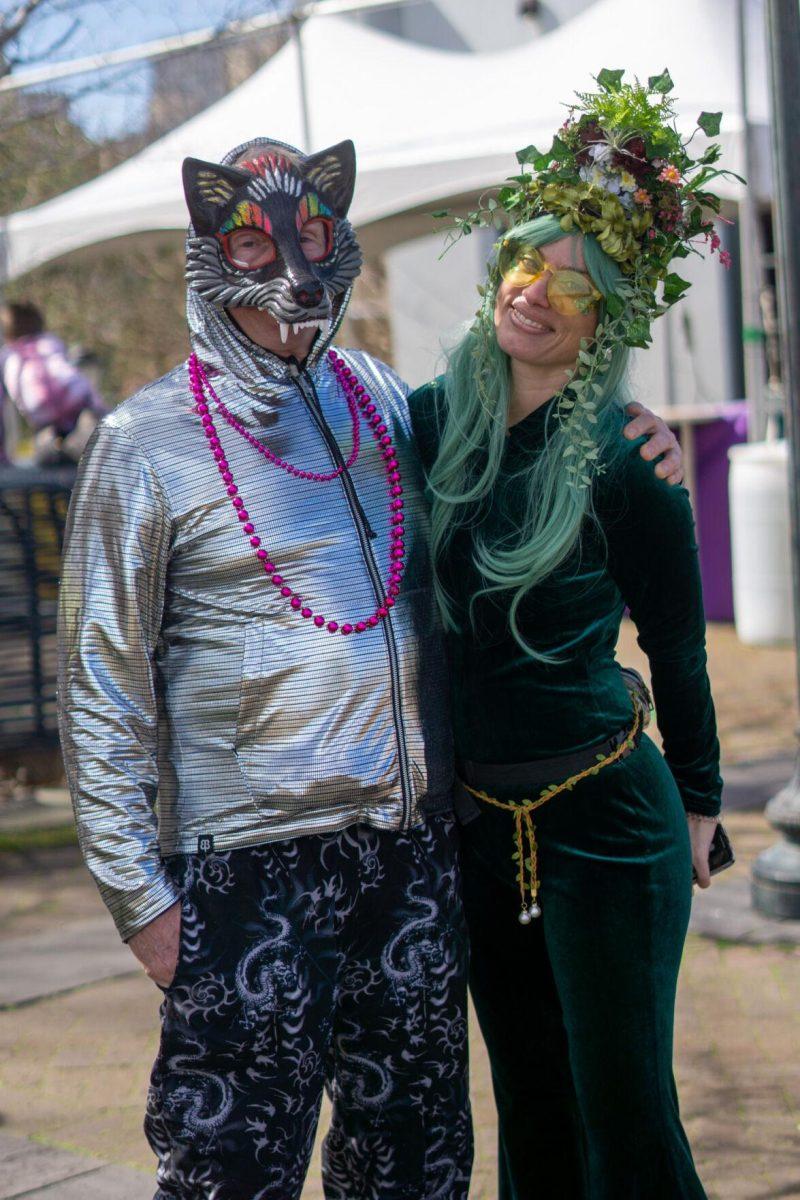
column 249, row 650
column 252, row 693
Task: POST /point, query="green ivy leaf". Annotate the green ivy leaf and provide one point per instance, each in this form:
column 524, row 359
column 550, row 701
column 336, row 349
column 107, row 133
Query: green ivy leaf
column 674, row 287
column 614, row 305
column 528, row 155
column 638, row 333
column 712, row 154
column 709, row 123
column 661, row 83
column 610, row 81
column 560, row 150
column 440, row 212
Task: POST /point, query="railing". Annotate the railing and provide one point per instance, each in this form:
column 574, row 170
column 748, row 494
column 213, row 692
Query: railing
column 33, row 511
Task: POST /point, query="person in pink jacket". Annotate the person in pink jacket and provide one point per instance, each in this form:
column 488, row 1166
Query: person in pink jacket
column 56, row 400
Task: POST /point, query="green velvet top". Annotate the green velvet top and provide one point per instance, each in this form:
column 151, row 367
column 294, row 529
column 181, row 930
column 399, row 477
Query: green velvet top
column 640, row 552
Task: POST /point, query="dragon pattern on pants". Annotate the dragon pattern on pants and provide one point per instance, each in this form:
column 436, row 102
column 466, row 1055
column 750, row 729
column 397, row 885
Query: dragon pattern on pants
column 333, row 960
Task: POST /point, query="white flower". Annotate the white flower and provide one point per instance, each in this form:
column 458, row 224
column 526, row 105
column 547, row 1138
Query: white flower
column 600, row 152
column 597, row 177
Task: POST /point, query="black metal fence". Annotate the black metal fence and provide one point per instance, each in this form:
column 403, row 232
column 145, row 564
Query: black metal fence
column 33, row 510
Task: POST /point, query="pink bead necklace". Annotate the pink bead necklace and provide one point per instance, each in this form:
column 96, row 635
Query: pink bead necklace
column 235, row 423
column 361, row 407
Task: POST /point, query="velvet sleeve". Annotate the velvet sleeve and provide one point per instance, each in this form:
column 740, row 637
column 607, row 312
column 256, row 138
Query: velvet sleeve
column 652, row 556
column 424, row 406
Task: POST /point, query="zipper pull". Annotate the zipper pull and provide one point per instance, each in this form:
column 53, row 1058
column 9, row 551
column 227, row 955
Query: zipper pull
column 367, row 527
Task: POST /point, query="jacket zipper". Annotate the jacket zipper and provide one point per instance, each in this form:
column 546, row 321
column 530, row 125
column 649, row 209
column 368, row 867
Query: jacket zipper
column 366, row 534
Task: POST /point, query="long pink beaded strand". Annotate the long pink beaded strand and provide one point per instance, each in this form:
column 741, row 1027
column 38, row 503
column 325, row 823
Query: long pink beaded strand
column 359, row 402
column 235, row 423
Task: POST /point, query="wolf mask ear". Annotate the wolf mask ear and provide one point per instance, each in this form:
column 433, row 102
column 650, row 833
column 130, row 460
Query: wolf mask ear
column 333, row 173
column 208, row 188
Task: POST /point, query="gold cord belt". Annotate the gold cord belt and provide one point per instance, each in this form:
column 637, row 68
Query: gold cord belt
column 527, row 865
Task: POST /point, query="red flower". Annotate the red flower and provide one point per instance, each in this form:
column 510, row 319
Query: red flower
column 625, row 160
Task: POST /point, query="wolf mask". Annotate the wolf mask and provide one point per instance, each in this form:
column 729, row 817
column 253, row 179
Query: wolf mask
column 269, row 231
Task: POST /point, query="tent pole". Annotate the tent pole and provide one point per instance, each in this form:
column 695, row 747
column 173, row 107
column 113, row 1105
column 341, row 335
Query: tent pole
column 751, row 252
column 297, row 34
column 776, row 871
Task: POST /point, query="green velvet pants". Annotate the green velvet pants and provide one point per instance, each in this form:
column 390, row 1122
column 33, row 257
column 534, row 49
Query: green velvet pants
column 577, row 1008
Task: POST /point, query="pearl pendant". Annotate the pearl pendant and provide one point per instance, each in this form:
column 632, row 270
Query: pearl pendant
column 534, row 911
column 524, row 917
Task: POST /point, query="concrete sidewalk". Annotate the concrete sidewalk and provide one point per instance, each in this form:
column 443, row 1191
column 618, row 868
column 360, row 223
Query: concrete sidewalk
column 76, row 1064
column 58, row 960
column 40, row 1172
column 78, row 1037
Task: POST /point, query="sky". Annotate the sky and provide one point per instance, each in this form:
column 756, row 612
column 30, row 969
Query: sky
column 120, row 105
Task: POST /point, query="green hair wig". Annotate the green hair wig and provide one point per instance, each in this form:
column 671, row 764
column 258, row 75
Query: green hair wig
column 477, row 392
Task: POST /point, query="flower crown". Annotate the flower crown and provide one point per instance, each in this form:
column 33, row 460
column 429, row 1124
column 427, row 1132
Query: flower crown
column 619, row 169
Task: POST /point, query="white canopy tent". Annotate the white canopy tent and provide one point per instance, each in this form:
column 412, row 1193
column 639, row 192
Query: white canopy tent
column 427, row 124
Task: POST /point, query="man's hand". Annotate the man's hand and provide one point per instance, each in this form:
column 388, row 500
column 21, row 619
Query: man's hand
column 157, row 946
column 701, row 835
column 661, row 440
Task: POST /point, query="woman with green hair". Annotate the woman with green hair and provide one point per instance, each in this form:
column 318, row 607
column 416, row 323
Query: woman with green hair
column 577, row 851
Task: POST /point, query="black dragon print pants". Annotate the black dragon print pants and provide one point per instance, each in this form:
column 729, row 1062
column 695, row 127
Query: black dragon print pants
column 336, row 960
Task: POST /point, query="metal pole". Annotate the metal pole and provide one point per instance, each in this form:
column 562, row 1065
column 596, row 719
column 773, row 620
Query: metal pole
column 776, row 872
column 751, row 253
column 297, row 33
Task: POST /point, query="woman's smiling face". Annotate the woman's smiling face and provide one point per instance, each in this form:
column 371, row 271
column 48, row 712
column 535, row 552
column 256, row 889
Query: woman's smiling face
column 528, row 328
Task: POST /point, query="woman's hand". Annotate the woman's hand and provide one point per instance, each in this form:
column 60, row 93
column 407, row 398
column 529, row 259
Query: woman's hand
column 701, row 835
column 660, row 440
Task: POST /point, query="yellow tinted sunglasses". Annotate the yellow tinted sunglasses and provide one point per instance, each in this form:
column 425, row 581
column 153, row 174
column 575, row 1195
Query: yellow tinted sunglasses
column 568, row 292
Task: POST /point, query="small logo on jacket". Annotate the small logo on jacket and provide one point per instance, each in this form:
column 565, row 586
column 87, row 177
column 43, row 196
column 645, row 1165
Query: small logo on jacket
column 205, row 844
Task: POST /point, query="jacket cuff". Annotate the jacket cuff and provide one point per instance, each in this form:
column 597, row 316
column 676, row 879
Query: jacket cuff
column 133, row 910
column 709, row 810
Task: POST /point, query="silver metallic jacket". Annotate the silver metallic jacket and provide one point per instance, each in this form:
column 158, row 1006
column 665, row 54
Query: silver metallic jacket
column 194, row 702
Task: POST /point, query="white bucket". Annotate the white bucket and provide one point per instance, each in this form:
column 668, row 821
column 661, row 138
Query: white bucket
column 761, row 542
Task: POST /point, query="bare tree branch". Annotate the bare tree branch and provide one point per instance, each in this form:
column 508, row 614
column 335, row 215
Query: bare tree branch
column 12, row 25
column 55, row 45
